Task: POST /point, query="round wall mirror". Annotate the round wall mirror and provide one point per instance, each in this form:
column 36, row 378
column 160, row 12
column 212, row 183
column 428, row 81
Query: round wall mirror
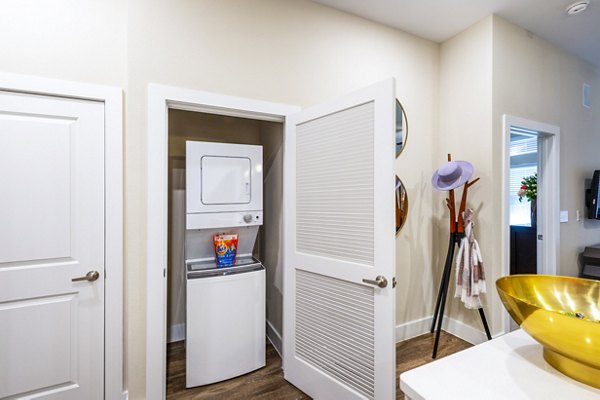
column 401, row 205
column 401, row 128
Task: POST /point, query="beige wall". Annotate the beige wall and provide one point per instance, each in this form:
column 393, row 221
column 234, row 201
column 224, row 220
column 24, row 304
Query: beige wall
column 301, row 53
column 535, row 80
column 465, row 118
column 83, row 41
column 495, row 68
column 271, row 233
column 294, row 52
column 65, row 39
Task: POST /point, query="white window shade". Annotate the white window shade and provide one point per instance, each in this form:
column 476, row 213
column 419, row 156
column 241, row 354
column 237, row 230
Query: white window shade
column 521, row 166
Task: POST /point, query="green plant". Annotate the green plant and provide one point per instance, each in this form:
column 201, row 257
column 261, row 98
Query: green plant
column 528, row 188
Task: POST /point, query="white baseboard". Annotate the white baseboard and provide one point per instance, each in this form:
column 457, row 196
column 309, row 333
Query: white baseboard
column 275, row 338
column 176, row 333
column 404, row 331
column 413, row 328
column 463, row 331
column 421, row 326
column 125, row 395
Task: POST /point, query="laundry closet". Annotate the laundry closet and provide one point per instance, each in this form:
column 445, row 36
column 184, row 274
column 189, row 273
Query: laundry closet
column 226, row 149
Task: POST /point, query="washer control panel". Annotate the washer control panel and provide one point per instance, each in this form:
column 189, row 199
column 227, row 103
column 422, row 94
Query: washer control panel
column 223, row 219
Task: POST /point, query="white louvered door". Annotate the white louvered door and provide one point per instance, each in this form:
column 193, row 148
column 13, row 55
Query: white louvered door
column 338, row 331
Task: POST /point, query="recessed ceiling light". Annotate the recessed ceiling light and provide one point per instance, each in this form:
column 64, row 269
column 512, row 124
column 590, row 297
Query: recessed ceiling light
column 578, row 7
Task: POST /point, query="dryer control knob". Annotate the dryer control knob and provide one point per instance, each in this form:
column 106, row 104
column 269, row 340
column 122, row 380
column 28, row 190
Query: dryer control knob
column 248, row 218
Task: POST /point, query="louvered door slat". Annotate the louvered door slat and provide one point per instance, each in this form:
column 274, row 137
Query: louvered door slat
column 318, row 340
column 338, row 230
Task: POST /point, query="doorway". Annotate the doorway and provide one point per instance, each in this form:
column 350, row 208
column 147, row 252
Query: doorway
column 531, row 239
column 376, row 104
column 164, row 102
column 523, row 198
column 207, row 127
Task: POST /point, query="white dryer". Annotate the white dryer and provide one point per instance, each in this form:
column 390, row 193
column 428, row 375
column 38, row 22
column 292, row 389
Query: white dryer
column 224, row 185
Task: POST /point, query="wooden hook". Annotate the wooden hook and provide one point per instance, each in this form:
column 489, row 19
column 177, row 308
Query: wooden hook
column 450, row 202
column 463, row 204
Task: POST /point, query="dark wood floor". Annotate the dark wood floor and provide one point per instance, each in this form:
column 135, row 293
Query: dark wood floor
column 268, row 382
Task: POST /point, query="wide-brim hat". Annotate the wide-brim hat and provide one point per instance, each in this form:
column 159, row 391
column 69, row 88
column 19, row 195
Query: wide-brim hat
column 452, row 175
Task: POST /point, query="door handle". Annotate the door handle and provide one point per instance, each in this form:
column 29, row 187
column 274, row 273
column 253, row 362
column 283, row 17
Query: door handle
column 90, row 277
column 379, row 281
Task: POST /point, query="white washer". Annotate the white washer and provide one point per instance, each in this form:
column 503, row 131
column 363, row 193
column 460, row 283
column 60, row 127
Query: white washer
column 225, row 321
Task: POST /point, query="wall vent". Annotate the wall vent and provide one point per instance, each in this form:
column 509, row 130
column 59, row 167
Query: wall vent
column 587, row 89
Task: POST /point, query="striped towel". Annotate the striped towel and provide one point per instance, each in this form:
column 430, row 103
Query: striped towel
column 470, row 277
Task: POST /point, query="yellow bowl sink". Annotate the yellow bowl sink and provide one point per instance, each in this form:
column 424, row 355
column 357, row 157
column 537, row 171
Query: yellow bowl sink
column 563, row 315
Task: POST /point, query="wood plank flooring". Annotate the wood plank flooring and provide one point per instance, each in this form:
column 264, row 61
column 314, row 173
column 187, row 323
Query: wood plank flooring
column 268, row 382
column 415, row 352
column 265, row 383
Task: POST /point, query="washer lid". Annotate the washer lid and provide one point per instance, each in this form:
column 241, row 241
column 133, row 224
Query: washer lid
column 208, row 268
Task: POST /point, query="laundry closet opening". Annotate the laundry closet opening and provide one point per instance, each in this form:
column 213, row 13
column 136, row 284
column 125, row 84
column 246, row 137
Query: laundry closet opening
column 268, row 248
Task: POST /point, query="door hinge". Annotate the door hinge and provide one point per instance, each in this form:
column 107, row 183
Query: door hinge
column 394, row 282
column 164, row 272
column 540, row 237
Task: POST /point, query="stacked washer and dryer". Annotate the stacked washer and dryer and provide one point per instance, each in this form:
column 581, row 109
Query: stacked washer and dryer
column 225, row 306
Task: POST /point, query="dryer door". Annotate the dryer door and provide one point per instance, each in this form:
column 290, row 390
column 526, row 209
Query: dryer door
column 225, row 180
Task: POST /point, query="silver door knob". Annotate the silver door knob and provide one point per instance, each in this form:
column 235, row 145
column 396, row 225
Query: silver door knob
column 248, row 218
column 379, row 281
column 90, row 277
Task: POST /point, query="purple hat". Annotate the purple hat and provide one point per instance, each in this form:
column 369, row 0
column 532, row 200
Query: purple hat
column 452, row 175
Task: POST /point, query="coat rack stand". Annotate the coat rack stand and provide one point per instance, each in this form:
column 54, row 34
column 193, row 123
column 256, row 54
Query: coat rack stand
column 457, row 232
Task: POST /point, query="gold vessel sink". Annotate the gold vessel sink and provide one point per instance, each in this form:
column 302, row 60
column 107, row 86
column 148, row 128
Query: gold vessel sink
column 563, row 315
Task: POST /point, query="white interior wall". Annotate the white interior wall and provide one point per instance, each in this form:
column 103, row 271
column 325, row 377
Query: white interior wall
column 465, row 132
column 281, row 52
column 176, row 299
column 271, row 245
column 495, row 68
column 265, row 49
column 535, row 80
column 82, row 41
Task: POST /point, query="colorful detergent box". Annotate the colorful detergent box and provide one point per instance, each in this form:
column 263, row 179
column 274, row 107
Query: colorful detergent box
column 225, row 249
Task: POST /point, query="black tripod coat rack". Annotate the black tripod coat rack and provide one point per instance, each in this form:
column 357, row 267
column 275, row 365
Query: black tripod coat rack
column 457, row 232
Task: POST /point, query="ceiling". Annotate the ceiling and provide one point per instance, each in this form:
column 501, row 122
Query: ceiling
column 439, row 20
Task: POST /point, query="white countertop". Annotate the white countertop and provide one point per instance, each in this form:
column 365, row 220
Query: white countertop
column 509, row 367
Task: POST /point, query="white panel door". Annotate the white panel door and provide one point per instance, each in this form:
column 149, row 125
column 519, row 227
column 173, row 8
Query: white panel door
column 339, row 231
column 51, row 231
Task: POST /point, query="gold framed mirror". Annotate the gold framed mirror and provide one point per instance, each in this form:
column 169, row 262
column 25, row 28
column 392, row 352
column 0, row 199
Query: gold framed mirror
column 401, row 205
column 401, row 128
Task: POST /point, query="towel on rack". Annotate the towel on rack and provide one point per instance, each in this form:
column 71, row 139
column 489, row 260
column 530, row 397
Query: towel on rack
column 470, row 277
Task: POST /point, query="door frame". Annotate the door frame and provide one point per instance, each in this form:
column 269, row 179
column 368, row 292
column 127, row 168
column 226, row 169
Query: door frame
column 112, row 97
column 549, row 204
column 161, row 98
